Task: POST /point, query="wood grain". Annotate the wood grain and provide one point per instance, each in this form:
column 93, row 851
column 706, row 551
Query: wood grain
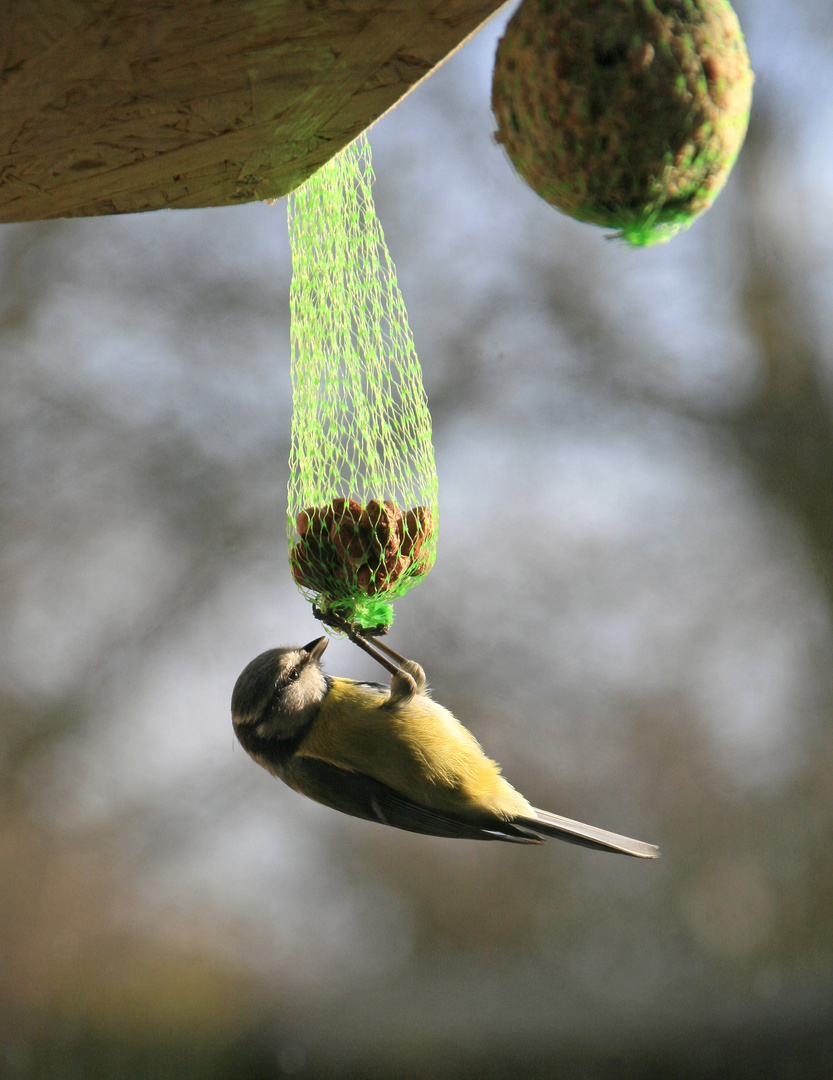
column 118, row 106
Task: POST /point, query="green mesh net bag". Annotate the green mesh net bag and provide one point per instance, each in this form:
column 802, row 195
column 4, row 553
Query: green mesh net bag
column 363, row 511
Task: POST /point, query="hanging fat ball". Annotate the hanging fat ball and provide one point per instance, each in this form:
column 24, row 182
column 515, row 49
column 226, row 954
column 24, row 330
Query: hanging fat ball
column 367, row 549
column 624, row 113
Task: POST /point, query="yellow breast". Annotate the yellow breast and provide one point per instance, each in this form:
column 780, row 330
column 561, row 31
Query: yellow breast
column 418, row 748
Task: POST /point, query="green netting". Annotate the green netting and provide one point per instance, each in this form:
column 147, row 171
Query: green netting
column 363, row 511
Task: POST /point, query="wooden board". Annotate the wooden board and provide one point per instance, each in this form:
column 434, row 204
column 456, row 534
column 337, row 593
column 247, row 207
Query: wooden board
column 118, row 106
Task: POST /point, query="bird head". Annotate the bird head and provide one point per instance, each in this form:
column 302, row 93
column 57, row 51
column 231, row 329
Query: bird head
column 280, row 691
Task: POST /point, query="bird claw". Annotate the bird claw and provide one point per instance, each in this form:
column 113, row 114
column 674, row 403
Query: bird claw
column 414, row 670
column 403, row 688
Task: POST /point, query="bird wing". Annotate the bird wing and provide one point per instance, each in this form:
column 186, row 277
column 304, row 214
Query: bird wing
column 575, row 832
column 361, row 796
column 380, row 687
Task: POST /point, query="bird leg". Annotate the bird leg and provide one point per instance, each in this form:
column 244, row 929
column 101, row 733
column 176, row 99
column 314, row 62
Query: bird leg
column 410, row 666
column 402, row 690
column 407, row 676
column 364, row 644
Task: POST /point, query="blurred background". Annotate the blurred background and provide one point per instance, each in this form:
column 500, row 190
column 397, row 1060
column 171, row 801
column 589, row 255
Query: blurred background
column 631, row 608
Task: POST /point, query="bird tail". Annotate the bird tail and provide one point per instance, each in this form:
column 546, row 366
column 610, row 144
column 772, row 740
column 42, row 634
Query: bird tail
column 574, row 832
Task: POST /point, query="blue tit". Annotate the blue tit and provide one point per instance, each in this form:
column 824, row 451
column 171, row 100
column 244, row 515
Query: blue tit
column 391, row 755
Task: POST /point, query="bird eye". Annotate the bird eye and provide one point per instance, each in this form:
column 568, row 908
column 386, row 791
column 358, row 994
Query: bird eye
column 293, row 674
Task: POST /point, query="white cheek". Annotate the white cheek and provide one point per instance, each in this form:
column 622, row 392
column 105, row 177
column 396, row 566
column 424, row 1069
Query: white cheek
column 293, row 698
column 296, row 705
column 304, row 694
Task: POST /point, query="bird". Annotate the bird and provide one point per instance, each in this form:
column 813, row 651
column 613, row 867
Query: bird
column 388, row 754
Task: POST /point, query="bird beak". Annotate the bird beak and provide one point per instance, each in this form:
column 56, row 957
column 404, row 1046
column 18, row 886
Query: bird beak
column 317, row 647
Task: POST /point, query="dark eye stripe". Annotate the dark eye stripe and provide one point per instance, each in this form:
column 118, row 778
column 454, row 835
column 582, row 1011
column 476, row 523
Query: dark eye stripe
column 288, row 678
